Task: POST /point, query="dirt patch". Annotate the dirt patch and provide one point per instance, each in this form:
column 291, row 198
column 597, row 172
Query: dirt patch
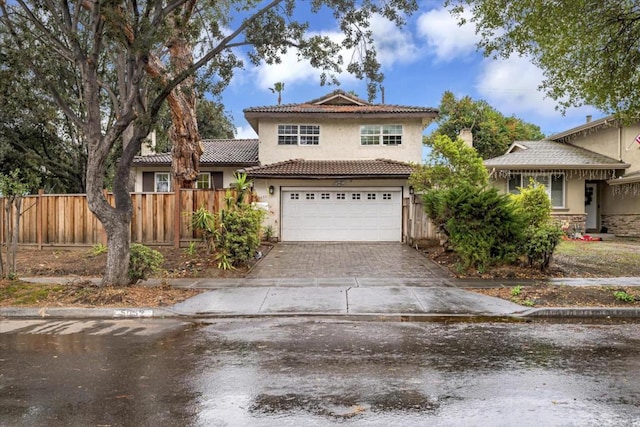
column 567, row 296
column 88, row 294
column 90, row 262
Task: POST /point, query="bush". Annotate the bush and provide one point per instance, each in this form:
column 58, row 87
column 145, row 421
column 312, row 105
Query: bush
column 239, row 236
column 533, row 204
column 540, row 243
column 144, row 261
column 482, row 226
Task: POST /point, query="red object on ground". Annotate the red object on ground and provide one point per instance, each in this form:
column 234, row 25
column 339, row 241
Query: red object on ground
column 588, row 238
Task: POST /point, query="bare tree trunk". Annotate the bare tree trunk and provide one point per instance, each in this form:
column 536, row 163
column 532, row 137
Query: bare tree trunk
column 184, row 134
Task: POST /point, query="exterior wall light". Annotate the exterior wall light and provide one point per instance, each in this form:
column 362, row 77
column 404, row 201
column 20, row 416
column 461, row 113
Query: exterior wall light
column 271, row 190
column 411, row 189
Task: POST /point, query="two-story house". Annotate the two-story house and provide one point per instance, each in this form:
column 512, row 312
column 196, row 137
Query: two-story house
column 336, row 168
column 591, row 172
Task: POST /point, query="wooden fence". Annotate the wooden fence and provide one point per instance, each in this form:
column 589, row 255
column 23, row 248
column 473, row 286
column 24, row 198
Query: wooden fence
column 416, row 224
column 65, row 219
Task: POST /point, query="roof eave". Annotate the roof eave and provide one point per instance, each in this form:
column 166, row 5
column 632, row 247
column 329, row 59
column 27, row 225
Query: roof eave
column 558, row 167
column 315, row 177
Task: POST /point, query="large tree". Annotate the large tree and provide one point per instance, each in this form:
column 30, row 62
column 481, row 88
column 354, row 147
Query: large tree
column 34, row 135
column 492, row 131
column 589, row 50
column 110, row 66
column 213, row 123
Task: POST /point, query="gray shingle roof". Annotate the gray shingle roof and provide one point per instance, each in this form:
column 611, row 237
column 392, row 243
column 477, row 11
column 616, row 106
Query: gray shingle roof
column 551, row 155
column 218, row 152
column 333, row 169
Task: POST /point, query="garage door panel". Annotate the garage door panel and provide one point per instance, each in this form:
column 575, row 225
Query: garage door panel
column 342, row 215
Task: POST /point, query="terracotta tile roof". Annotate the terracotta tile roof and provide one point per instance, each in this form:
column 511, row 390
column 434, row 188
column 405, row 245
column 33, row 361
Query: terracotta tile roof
column 339, row 104
column 218, row 152
column 551, row 155
column 332, row 169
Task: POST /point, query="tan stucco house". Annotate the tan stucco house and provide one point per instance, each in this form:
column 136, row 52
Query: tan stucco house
column 591, row 172
column 336, row 168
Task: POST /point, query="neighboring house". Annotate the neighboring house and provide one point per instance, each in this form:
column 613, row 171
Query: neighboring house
column 591, row 172
column 220, row 159
column 336, row 168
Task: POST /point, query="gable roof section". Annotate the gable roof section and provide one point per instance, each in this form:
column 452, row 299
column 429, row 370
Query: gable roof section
column 318, row 169
column 585, row 129
column 527, row 155
column 338, row 104
column 217, row 152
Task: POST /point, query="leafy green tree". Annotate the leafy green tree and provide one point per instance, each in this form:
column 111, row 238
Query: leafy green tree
column 492, row 131
column 450, row 163
column 588, row 50
column 34, row 136
column 13, row 187
column 109, row 68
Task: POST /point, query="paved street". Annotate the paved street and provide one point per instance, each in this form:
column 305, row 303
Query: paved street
column 301, row 371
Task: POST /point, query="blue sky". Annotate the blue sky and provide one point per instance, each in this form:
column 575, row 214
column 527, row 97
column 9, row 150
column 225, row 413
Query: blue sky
column 420, row 61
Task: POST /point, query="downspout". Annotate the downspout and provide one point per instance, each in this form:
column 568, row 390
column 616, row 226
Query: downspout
column 619, row 142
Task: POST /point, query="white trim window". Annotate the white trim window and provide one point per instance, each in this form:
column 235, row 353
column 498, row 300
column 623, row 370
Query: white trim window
column 552, row 182
column 204, row 181
column 381, row 135
column 298, row 134
column 162, row 182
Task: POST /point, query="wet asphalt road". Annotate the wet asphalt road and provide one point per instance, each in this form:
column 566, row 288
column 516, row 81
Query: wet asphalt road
column 314, row 372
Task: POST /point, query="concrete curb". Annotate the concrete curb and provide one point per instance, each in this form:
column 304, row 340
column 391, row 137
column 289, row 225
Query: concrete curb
column 161, row 313
column 582, row 312
column 87, row 313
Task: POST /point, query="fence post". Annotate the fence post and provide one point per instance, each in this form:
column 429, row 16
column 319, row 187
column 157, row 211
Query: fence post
column 39, row 216
column 177, row 201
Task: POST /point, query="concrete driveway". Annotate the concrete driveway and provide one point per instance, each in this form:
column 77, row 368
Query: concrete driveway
column 346, row 259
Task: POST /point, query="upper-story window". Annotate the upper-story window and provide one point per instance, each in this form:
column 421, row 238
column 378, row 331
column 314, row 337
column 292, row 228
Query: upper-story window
column 298, row 134
column 381, row 135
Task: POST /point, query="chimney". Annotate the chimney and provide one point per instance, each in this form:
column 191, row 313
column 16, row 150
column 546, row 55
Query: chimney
column 149, row 144
column 589, row 118
column 466, row 136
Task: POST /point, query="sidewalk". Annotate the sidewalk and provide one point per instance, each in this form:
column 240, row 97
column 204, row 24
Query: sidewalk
column 400, row 299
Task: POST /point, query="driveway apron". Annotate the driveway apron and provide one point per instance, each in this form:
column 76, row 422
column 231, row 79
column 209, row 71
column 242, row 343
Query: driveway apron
column 346, row 259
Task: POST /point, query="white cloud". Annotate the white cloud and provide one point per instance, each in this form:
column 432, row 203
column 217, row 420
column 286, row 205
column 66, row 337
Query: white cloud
column 443, row 34
column 292, row 70
column 512, row 87
column 393, row 44
column 245, row 132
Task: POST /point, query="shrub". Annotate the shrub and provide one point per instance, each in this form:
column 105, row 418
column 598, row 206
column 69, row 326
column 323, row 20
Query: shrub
column 481, row 224
column 144, row 261
column 239, row 236
column 541, row 236
column 540, row 244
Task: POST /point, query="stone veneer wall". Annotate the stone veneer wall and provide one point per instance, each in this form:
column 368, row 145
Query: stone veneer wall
column 625, row 225
column 575, row 221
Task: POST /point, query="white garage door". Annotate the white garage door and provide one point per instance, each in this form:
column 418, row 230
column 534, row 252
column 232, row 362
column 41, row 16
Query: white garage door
column 345, row 214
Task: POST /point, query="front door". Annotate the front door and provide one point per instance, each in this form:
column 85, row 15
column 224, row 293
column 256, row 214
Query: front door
column 591, row 205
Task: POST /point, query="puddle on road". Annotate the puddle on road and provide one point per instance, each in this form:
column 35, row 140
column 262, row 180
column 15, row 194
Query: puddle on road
column 344, row 406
